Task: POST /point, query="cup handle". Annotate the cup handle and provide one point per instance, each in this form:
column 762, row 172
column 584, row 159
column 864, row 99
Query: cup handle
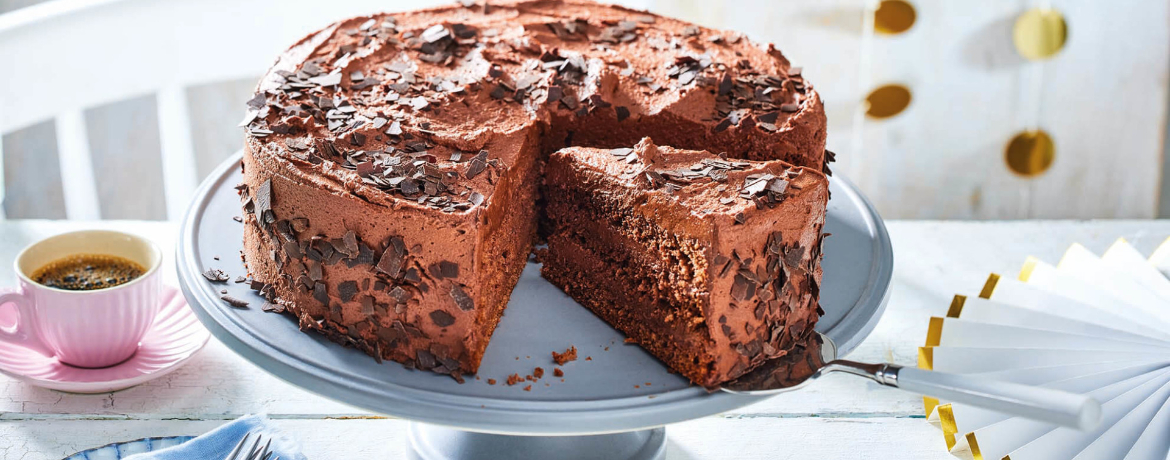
column 20, row 333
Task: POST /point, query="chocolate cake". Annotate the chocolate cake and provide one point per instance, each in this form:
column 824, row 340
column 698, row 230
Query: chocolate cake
column 393, row 162
column 712, row 265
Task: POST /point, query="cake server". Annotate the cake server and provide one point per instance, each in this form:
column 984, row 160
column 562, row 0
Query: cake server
column 796, row 370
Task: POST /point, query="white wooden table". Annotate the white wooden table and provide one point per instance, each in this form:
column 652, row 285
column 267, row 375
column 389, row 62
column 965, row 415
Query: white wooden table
column 840, row 417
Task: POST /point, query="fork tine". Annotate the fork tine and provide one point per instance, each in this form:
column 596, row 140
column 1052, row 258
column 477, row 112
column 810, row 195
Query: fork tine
column 254, row 451
column 239, row 447
column 265, row 452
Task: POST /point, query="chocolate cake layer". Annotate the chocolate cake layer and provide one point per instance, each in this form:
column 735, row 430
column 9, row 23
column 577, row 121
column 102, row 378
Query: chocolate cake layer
column 713, row 265
column 392, row 161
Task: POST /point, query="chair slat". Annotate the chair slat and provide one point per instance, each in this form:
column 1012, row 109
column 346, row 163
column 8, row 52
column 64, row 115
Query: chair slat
column 81, row 198
column 127, row 159
column 32, row 174
column 178, row 158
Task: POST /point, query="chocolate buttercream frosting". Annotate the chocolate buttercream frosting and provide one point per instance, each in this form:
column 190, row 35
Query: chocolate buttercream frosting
column 393, row 162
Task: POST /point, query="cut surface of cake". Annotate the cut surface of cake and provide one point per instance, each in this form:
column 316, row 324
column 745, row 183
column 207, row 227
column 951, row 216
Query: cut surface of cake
column 392, row 162
column 711, row 264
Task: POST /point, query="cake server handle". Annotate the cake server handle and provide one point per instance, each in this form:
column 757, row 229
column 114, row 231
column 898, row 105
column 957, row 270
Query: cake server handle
column 1037, row 403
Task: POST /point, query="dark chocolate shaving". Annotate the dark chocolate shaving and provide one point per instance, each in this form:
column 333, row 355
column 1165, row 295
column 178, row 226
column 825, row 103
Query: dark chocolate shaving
column 346, row 290
column 442, row 318
column 622, row 113
column 393, row 257
column 216, row 275
column 449, row 269
column 320, row 293
column 234, row 301
column 462, row 300
column 263, row 200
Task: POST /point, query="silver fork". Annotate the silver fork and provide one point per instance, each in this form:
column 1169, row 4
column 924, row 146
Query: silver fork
column 255, row 451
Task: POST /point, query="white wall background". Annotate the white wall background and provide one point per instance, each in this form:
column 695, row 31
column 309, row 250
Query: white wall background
column 1103, row 99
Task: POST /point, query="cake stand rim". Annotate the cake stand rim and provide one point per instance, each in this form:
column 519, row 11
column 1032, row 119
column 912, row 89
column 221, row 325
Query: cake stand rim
column 857, row 327
column 471, row 413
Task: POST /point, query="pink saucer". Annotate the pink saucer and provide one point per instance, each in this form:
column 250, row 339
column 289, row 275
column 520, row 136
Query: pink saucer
column 174, row 338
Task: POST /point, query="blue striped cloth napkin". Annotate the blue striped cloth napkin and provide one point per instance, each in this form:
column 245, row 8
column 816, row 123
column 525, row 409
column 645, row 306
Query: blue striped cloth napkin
column 217, row 444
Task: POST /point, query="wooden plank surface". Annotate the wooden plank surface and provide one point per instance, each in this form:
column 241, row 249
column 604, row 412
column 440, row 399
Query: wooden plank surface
column 1109, row 149
column 709, row 438
column 127, row 159
column 1164, row 191
column 32, row 174
column 837, row 418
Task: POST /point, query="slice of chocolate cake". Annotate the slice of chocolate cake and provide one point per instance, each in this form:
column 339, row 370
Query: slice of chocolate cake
column 713, row 265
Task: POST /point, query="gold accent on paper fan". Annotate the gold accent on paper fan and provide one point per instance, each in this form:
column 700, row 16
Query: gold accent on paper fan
column 950, row 440
column 926, row 361
column 929, row 404
column 989, row 286
column 926, row 358
column 956, row 306
column 974, row 445
column 934, row 332
column 1040, row 33
column 1026, row 271
column 946, row 416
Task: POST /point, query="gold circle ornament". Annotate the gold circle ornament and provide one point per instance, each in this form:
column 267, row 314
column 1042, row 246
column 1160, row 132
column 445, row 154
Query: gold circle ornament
column 1039, row 33
column 887, row 101
column 893, row 17
column 1030, row 153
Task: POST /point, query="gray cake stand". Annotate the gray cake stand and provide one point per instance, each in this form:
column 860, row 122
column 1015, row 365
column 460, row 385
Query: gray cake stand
column 614, row 399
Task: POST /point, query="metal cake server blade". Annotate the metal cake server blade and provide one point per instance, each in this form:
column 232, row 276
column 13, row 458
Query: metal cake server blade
column 794, row 371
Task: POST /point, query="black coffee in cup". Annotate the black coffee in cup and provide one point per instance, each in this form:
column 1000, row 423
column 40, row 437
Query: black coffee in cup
column 85, row 272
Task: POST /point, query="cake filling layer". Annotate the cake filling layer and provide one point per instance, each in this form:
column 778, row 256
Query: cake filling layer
column 599, row 282
column 663, row 264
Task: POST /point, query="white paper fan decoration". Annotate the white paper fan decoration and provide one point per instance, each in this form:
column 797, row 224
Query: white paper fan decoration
column 1090, row 325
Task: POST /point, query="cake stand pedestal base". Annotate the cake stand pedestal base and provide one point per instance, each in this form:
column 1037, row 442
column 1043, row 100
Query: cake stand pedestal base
column 432, row 442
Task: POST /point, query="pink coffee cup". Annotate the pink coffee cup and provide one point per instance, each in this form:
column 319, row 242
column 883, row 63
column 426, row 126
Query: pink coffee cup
column 92, row 329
